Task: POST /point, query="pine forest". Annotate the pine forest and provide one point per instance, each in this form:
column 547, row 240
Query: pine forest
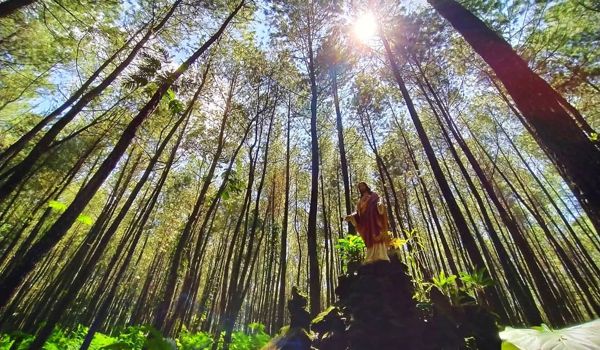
column 299, row 174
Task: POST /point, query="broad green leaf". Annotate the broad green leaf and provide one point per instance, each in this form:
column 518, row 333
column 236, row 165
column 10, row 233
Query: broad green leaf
column 581, row 337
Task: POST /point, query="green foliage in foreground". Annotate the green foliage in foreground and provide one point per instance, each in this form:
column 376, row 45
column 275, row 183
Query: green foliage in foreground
column 136, row 337
column 351, row 250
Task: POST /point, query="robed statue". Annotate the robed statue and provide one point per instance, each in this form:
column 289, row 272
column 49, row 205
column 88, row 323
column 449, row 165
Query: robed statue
column 371, row 222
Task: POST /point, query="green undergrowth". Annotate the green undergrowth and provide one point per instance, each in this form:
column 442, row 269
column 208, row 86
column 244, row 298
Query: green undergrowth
column 138, row 337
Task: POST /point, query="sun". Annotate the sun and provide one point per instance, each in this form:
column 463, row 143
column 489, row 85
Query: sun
column 365, row 27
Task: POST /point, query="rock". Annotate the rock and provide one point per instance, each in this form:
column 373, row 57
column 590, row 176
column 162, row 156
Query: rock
column 375, row 309
column 330, row 327
column 296, row 337
column 300, row 318
column 379, row 304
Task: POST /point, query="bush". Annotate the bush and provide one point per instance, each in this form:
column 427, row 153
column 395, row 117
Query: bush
column 135, row 337
column 351, row 250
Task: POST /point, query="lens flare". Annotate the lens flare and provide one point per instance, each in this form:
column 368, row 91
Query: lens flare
column 365, row 27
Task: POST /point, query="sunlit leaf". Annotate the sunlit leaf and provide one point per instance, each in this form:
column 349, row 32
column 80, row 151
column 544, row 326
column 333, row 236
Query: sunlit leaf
column 85, row 219
column 58, row 206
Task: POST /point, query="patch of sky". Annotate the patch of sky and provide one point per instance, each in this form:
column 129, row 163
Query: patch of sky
column 260, row 25
column 66, row 78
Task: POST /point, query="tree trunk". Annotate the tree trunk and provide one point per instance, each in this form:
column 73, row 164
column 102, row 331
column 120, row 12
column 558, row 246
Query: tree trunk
column 240, row 279
column 102, row 311
column 459, row 219
column 342, row 148
column 313, row 256
column 284, row 229
column 522, row 292
column 162, row 319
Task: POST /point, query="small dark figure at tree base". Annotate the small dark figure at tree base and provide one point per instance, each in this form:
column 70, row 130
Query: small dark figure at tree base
column 297, row 336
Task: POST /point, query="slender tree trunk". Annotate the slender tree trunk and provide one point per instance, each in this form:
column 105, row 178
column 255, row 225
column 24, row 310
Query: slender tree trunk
column 230, row 276
column 102, row 311
column 313, row 256
column 239, row 279
column 430, row 206
column 461, row 224
column 297, row 231
column 594, row 220
column 205, row 232
column 192, row 281
column 54, row 194
column 544, row 288
column 284, row 228
column 75, row 284
column 367, row 127
column 342, row 148
column 162, row 320
column 522, row 293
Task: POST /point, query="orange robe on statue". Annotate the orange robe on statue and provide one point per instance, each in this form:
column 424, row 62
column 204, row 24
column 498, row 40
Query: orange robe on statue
column 370, row 220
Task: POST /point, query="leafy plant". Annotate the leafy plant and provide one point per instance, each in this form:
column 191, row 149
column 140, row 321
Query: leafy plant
column 233, row 186
column 174, row 105
column 422, row 289
column 133, row 336
column 57, row 206
column 351, row 249
column 7, row 341
column 85, row 219
column 193, row 341
column 472, row 284
column 156, row 341
column 397, row 243
column 147, row 69
column 137, row 338
column 475, row 282
column 446, row 284
column 412, row 240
